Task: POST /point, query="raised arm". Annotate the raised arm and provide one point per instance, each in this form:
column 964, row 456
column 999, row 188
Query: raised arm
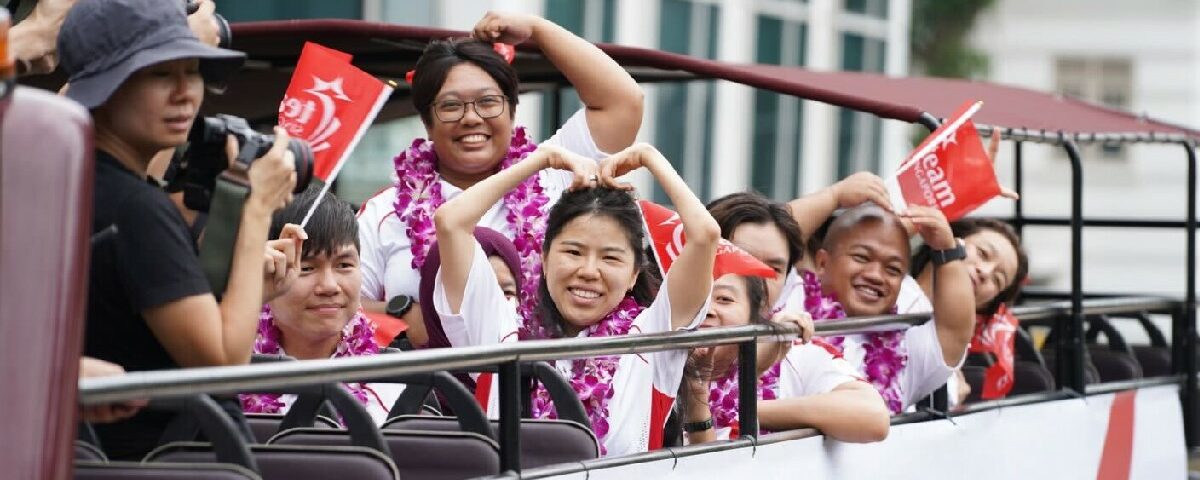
column 953, row 295
column 689, row 281
column 614, row 101
column 811, row 210
column 456, row 219
column 852, row 412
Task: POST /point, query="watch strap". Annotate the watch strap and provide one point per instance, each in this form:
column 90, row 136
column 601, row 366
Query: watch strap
column 695, row 427
column 942, row 257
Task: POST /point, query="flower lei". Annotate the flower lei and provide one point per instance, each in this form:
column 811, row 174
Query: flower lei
column 358, row 338
column 592, row 378
column 884, row 353
column 419, row 194
column 723, row 396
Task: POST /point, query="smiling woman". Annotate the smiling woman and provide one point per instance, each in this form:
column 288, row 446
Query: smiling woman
column 466, row 94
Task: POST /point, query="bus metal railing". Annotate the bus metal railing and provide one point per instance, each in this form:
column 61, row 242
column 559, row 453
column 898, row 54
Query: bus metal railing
column 509, row 356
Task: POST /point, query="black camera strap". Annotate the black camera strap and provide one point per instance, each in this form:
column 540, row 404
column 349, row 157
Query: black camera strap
column 221, row 232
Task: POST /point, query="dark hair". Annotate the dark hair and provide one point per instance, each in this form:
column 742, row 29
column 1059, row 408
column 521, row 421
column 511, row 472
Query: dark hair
column 969, row 226
column 735, row 209
column 442, row 55
column 494, row 244
column 331, row 227
column 617, row 205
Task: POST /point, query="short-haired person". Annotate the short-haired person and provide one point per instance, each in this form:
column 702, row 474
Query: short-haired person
column 149, row 305
column 766, row 230
column 860, row 270
column 809, row 385
column 466, row 95
column 596, row 282
column 316, row 314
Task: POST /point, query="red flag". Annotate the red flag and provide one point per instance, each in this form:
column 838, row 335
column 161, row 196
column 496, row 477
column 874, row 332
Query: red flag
column 330, row 103
column 666, row 233
column 996, row 335
column 950, row 170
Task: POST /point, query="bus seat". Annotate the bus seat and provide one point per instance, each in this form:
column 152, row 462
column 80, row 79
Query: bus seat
column 444, row 455
column 1155, row 361
column 1113, row 365
column 1030, row 377
column 974, row 375
column 543, row 442
column 290, row 462
column 87, row 452
column 1090, row 374
column 90, row 470
column 266, row 425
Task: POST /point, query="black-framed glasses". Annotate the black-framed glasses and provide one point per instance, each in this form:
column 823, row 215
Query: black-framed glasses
column 487, row 106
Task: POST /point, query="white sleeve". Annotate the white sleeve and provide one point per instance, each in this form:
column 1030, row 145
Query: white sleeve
column 485, row 317
column 668, row 364
column 372, row 261
column 812, row 369
column 926, row 369
column 911, row 298
column 573, row 135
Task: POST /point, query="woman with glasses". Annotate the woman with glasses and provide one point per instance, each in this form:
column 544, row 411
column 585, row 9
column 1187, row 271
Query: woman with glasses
column 466, row 94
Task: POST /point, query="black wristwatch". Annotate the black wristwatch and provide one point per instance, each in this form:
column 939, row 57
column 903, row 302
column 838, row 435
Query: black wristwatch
column 399, row 305
column 696, row 427
column 942, row 257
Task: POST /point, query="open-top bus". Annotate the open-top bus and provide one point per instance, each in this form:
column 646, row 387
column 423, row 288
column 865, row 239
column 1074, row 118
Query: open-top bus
column 1137, row 419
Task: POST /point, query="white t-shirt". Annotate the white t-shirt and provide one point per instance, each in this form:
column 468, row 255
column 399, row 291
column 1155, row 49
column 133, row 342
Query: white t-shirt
column 386, row 249
column 926, row 369
column 809, row 369
column 644, row 386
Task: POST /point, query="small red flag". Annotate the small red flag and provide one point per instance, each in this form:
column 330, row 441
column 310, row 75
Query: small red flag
column 995, row 335
column 330, row 103
column 950, row 170
column 666, row 233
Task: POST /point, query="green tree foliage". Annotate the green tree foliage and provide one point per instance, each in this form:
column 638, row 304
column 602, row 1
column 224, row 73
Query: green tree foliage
column 939, row 38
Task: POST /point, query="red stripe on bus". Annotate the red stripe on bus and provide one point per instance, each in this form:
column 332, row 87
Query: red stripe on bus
column 1117, row 458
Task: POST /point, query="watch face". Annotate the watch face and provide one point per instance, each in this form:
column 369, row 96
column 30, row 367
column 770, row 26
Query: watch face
column 399, row 305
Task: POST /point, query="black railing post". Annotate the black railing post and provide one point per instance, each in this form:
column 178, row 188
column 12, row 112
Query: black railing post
column 1019, row 187
column 510, row 416
column 748, row 389
column 1189, row 396
column 556, row 109
column 1070, row 353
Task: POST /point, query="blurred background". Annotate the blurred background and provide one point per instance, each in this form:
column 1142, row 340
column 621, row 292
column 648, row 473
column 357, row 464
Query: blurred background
column 1141, row 56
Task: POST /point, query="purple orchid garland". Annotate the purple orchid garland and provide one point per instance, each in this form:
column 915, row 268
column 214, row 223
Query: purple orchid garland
column 884, row 353
column 592, row 378
column 358, row 338
column 419, row 194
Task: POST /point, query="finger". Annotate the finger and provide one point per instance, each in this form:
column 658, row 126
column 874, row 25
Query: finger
column 281, row 142
column 1009, row 194
column 268, row 264
column 994, row 144
column 231, row 148
column 280, row 264
column 206, row 7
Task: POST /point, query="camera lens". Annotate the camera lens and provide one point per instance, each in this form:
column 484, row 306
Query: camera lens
column 304, row 163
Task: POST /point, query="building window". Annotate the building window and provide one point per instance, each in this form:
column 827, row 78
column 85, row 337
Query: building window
column 1103, row 81
column 859, row 133
column 778, row 119
column 684, row 113
column 593, row 20
column 288, row 9
column 871, row 8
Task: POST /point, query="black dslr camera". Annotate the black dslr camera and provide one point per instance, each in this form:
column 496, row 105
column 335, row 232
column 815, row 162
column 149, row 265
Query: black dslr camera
column 195, row 171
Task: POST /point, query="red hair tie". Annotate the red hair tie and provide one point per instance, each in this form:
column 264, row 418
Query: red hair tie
column 506, row 51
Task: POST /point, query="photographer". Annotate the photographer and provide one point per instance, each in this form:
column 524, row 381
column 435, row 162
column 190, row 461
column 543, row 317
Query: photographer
column 150, row 306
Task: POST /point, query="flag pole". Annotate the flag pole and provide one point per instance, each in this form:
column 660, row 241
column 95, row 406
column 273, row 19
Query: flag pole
column 941, row 136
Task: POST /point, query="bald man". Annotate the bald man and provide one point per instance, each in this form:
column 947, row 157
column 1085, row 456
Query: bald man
column 863, row 263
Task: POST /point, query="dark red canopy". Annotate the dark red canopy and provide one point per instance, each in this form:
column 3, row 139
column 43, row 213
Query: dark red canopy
column 388, row 50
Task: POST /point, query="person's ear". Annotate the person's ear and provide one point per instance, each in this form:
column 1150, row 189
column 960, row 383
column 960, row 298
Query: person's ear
column 821, row 261
column 633, row 279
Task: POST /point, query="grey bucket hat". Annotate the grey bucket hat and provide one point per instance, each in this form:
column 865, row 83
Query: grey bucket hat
column 103, row 42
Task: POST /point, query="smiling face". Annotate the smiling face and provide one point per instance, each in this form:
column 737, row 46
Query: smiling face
column 588, row 268
column 766, row 242
column 991, row 262
column 321, row 300
column 865, row 268
column 154, row 108
column 471, row 148
column 732, row 305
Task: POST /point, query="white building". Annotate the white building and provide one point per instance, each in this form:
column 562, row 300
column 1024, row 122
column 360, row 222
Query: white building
column 1140, row 56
